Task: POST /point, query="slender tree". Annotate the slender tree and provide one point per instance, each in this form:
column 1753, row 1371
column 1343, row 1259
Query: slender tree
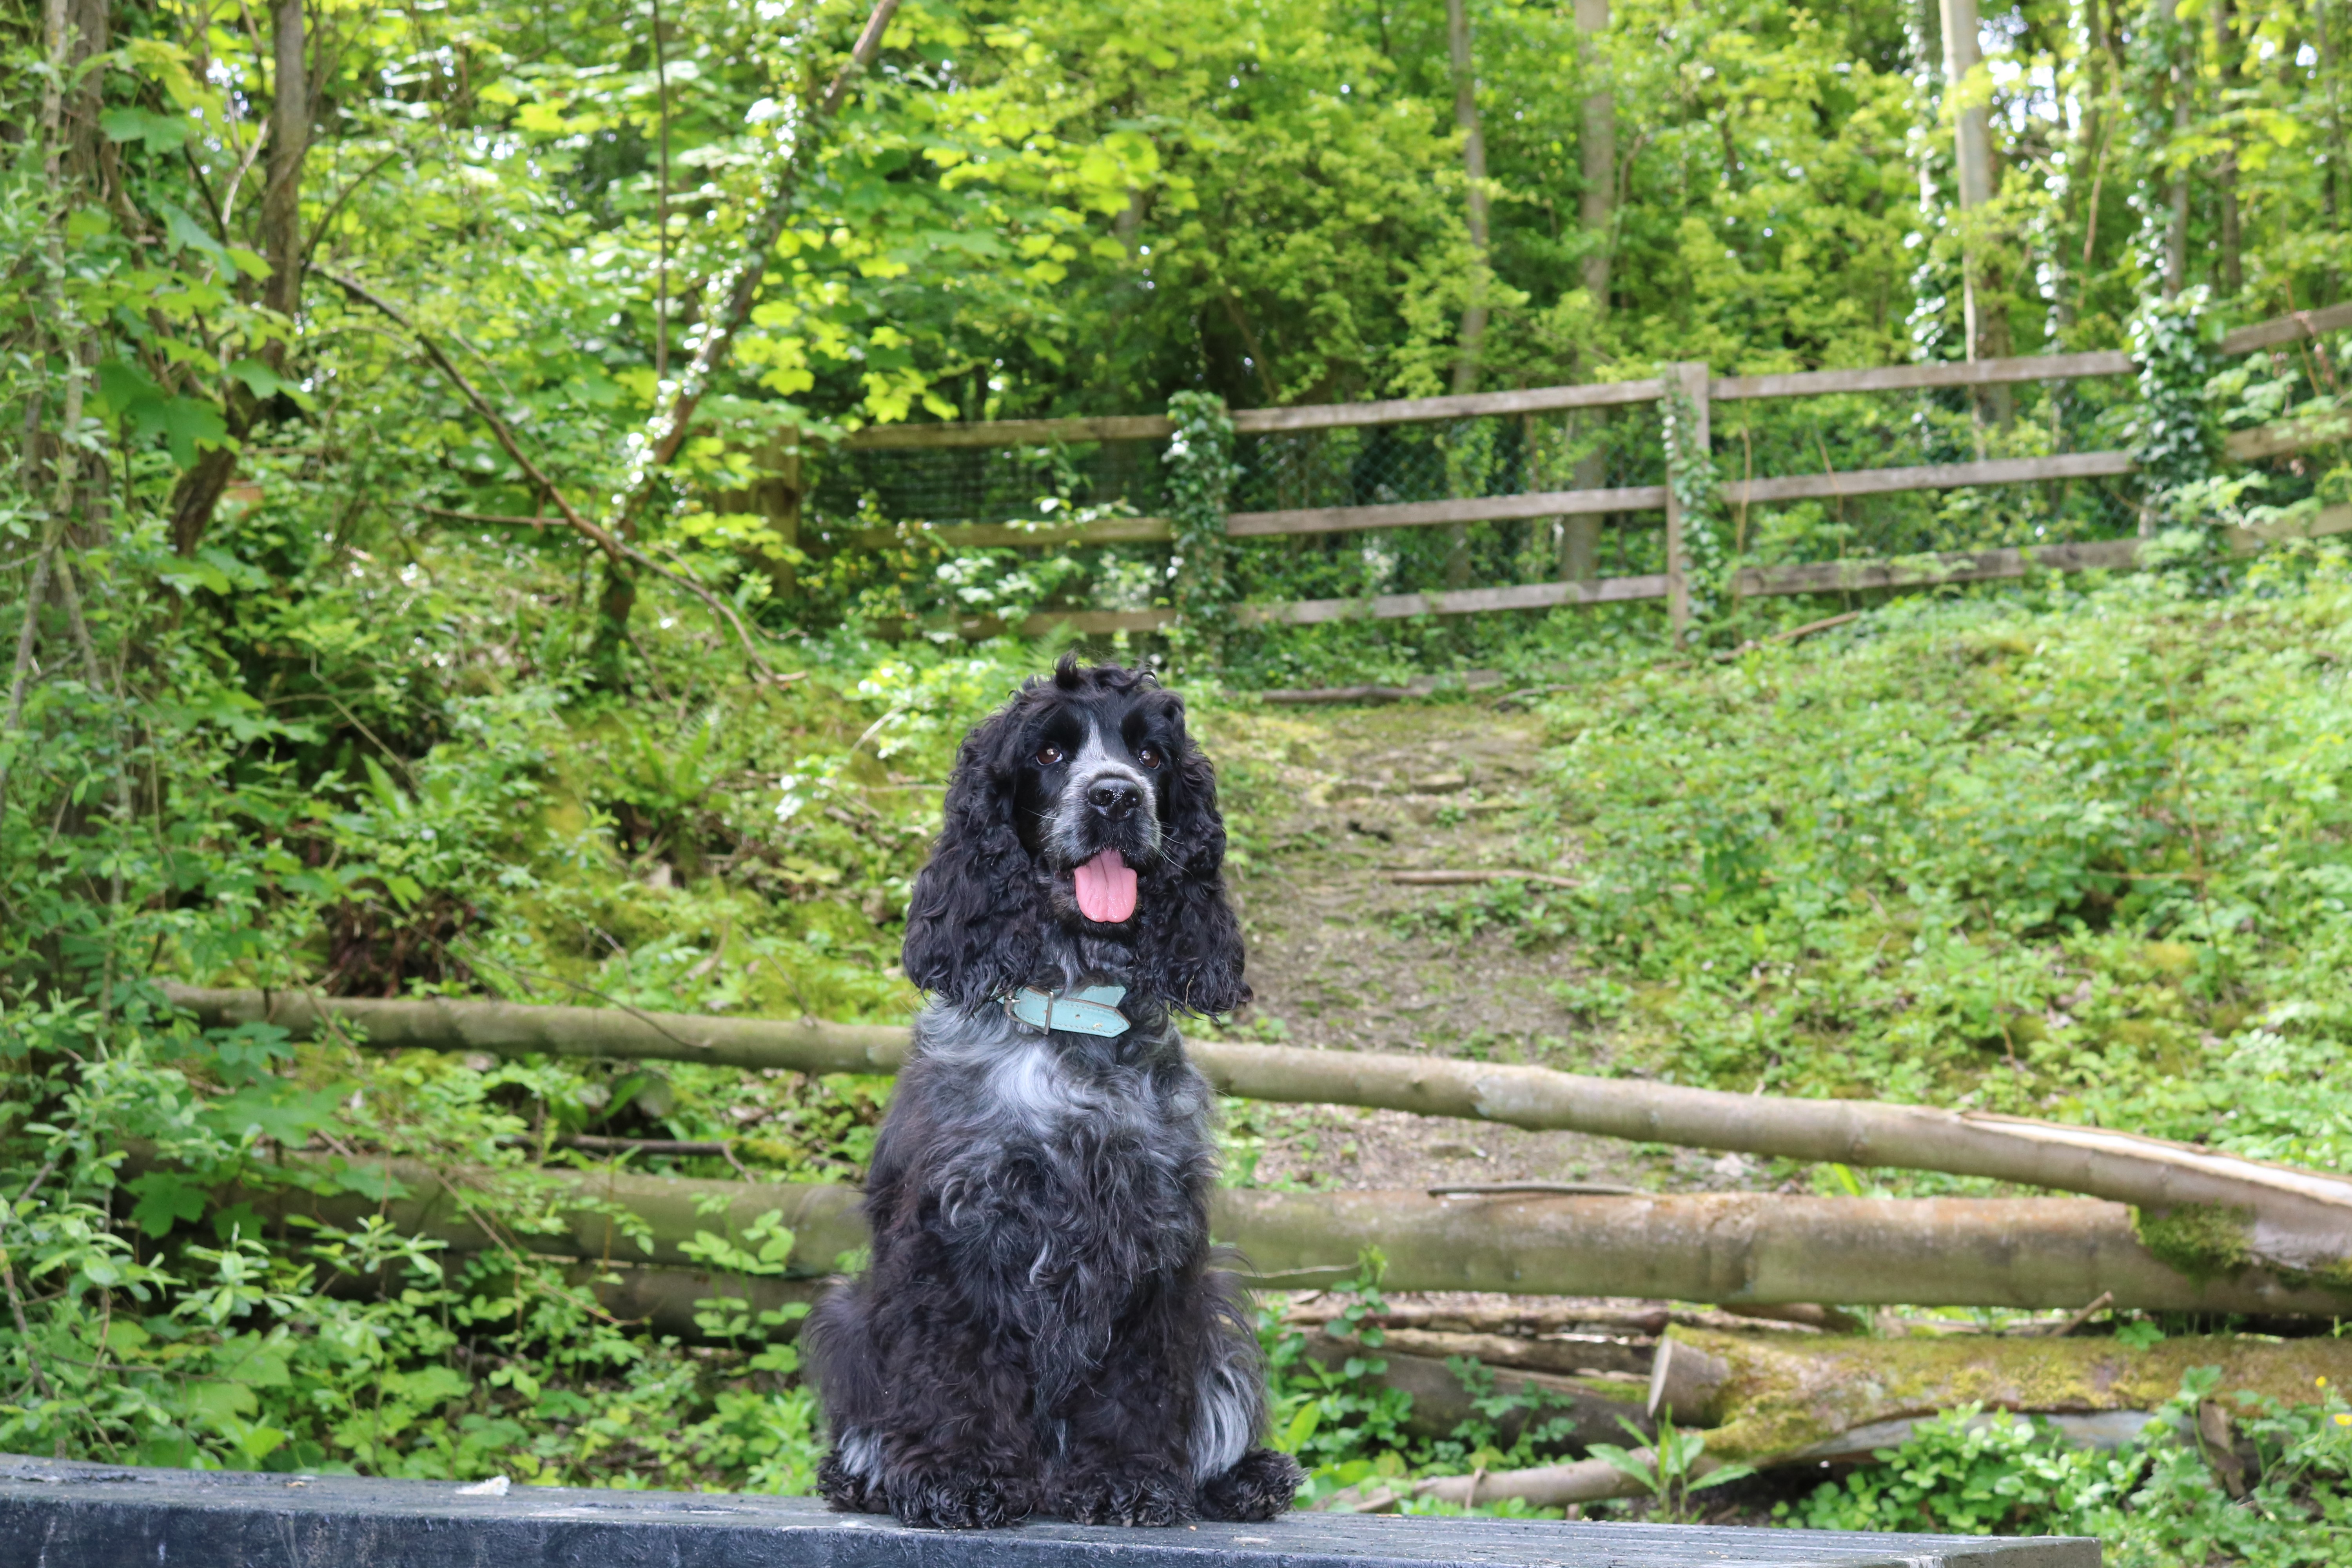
column 1580, row 538
column 1474, row 311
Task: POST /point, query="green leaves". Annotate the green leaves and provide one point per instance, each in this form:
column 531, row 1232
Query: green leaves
column 146, row 412
column 1201, row 473
column 1668, row 1467
column 164, row 1199
column 161, row 132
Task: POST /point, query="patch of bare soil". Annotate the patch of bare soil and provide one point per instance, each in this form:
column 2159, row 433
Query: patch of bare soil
column 1325, row 805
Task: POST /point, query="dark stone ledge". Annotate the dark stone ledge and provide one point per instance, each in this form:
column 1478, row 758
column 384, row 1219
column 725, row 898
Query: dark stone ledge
column 60, row 1515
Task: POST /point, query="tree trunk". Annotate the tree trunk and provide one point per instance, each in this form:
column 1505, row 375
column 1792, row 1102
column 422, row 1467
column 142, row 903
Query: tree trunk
column 2275, row 1216
column 1985, row 323
column 1597, row 156
column 91, row 27
column 198, row 492
column 2176, row 234
column 1474, row 309
column 1473, row 170
column 1580, row 540
column 290, row 143
column 2233, row 57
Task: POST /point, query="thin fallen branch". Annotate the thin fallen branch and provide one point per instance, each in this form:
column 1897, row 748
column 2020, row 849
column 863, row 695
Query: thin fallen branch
column 504, row 519
column 1546, row 1485
column 1465, row 878
column 1587, row 1321
column 1484, row 1188
column 615, row 548
column 596, row 1143
column 2287, row 1218
column 2083, row 1314
column 1587, row 1408
column 1508, row 698
column 1295, row 696
column 1794, row 634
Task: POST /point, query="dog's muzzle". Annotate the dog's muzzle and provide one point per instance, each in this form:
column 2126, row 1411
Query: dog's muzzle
column 1105, row 823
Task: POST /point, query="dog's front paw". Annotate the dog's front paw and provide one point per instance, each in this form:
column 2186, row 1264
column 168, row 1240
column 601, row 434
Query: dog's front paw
column 846, row 1488
column 1259, row 1487
column 1153, row 1501
column 957, row 1502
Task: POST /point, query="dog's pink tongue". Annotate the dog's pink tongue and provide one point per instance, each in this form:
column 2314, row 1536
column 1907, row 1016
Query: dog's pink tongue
column 1105, row 887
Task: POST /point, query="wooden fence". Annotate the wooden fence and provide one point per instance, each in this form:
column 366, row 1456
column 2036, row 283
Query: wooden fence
column 1703, row 389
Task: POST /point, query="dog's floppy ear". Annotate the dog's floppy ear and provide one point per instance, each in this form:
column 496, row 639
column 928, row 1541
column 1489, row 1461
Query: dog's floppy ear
column 1199, row 939
column 973, row 929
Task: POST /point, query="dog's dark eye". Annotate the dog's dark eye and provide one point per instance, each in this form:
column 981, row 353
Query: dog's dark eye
column 1048, row 755
column 1149, row 756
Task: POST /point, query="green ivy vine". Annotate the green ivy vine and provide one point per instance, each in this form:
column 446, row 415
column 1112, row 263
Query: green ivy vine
column 2171, row 438
column 1690, row 474
column 1201, row 475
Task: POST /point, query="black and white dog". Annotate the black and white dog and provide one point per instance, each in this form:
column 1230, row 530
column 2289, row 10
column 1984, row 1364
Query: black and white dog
column 1040, row 1331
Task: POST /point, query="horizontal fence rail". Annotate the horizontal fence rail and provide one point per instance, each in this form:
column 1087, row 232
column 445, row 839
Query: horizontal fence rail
column 2284, row 436
column 1758, row 582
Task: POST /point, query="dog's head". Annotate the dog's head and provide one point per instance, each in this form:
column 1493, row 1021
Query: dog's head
column 1082, row 834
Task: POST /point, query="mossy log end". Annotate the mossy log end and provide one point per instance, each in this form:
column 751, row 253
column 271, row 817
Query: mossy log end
column 2295, row 1220
column 1778, row 1397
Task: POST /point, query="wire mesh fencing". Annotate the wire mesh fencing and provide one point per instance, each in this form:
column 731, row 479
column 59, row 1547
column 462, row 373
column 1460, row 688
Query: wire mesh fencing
column 1517, row 455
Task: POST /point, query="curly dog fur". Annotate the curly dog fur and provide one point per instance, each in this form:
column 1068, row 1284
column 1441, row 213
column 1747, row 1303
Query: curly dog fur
column 1040, row 1331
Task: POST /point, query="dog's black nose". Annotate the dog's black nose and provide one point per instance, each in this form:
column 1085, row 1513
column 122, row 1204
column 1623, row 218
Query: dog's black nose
column 1114, row 798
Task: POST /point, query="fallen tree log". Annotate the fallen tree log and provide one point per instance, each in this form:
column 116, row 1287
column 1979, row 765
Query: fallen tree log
column 1783, row 1398
column 1772, row 1400
column 1587, row 1409
column 1583, row 1356
column 1536, row 1318
column 1722, row 1246
column 518, row 1028
column 2225, row 1210
column 2034, row 1253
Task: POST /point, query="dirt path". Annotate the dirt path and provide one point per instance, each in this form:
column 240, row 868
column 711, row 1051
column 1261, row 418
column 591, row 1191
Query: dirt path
column 1327, row 802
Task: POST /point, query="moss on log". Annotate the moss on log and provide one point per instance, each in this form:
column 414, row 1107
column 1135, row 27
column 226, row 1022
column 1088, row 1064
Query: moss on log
column 1783, row 1398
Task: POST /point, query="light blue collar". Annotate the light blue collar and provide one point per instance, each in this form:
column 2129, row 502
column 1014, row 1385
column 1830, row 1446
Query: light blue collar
column 1088, row 1010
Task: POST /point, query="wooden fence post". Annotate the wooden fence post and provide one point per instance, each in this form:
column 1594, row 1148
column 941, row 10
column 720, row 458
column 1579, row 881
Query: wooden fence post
column 1691, row 374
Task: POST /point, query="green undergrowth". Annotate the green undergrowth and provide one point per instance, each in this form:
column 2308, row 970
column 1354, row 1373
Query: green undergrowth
column 2218, row 1475
column 2086, row 859
column 2077, row 854
column 2276, row 1493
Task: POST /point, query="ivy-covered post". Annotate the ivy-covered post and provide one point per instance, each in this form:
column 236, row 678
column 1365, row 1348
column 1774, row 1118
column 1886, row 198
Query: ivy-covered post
column 1694, row 539
column 2171, row 438
column 1201, row 475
